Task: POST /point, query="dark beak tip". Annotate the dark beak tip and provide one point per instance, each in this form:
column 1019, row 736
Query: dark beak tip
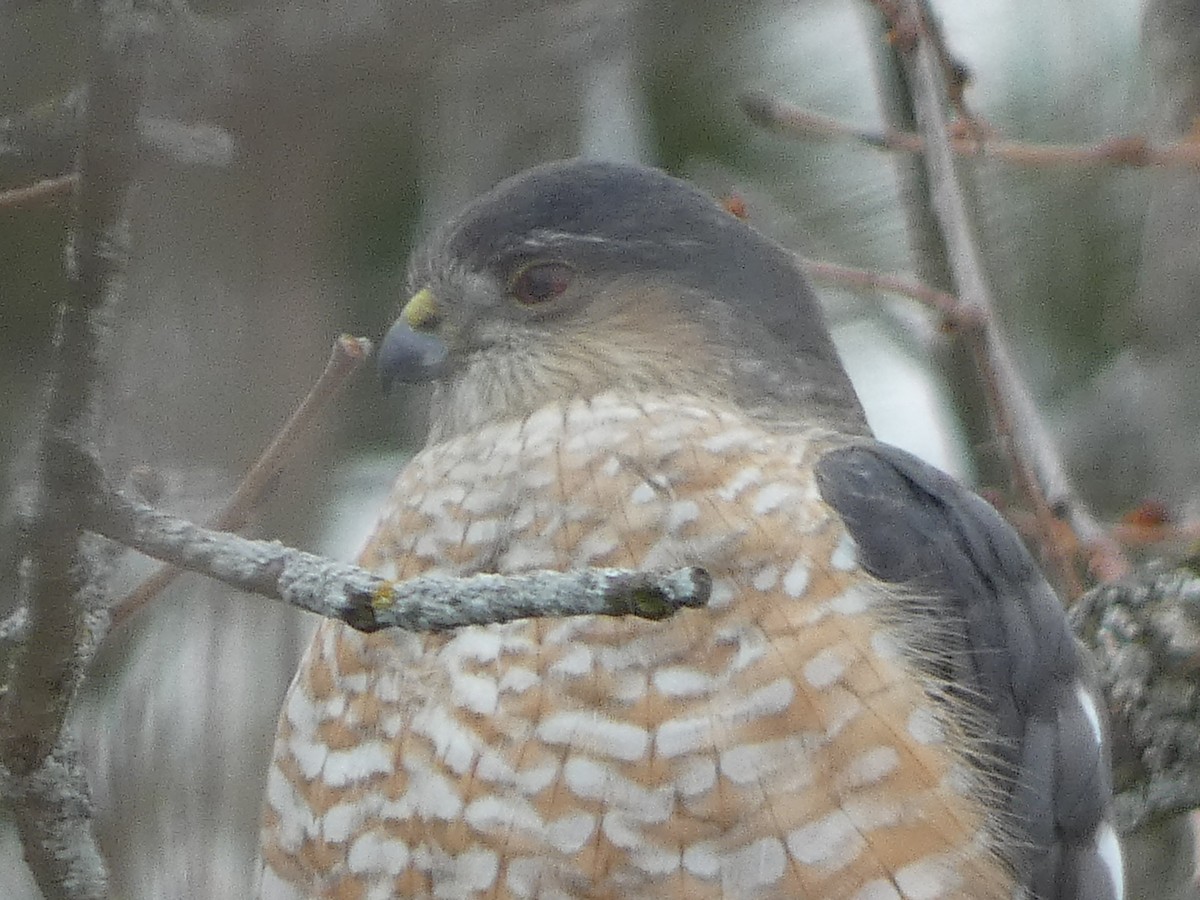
column 409, row 357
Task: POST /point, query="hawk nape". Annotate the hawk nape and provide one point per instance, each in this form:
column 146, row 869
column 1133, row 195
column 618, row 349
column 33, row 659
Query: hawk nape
column 881, row 700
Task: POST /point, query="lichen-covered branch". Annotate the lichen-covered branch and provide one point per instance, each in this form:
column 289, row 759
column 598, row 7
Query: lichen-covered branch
column 1144, row 632
column 61, row 579
column 368, row 602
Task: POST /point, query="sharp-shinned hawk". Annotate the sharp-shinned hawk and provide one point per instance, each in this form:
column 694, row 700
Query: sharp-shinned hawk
column 882, row 698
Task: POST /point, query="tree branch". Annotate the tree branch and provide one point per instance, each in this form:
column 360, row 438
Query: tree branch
column 1036, row 468
column 61, row 579
column 1133, row 151
column 1144, row 632
column 347, row 355
column 368, row 602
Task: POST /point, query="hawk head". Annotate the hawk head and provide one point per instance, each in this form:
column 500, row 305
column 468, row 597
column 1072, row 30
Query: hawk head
column 576, row 278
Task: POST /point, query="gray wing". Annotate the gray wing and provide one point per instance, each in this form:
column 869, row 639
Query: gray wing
column 1006, row 647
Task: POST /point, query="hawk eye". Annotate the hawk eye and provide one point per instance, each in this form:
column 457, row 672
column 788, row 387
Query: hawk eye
column 539, row 282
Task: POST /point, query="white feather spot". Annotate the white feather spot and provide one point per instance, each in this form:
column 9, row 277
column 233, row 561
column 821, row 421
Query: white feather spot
column 824, row 669
column 743, row 479
column 493, row 768
column 593, row 733
column 372, row 854
column 430, row 795
column 353, row 684
column 575, row 662
column 702, row 860
column 845, row 555
column 592, row 780
column 755, row 865
column 596, row 545
column 523, row 875
column 369, row 758
column 475, row 693
column 682, row 513
column 656, row 861
column 869, row 767
column 570, row 833
column 482, row 501
column 528, row 554
column 696, row 776
column 885, row 645
column 765, row 578
column 925, row 728
column 475, row 644
column 517, row 680
column 749, row 763
column 452, row 743
column 295, row 818
column 504, row 815
column 642, row 494
column 309, row 756
column 628, row 687
column 474, row 870
column 675, row 737
column 732, row 439
column 927, row 879
column 831, row 842
column 341, row 820
column 722, row 594
column 851, row 602
column 771, row 497
column 769, row 700
column 795, row 582
column 680, row 681
column 622, row 831
column 878, row 890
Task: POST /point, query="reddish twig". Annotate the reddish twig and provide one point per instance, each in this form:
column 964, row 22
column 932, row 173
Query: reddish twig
column 46, row 189
column 347, row 355
column 1036, row 469
column 1131, row 151
column 954, row 314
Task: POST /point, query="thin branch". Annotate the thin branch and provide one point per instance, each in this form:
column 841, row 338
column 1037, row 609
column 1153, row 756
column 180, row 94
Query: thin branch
column 1133, row 151
column 367, row 602
column 1036, row 467
column 38, row 192
column 347, row 355
column 955, row 314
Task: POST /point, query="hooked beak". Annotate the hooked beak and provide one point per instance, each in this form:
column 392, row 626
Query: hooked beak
column 409, row 353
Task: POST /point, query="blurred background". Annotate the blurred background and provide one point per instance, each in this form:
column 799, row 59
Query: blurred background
column 353, row 125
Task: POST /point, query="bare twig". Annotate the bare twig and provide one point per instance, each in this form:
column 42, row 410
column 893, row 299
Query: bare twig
column 367, row 602
column 946, row 305
column 347, row 355
column 1035, row 465
column 39, row 192
column 1131, row 151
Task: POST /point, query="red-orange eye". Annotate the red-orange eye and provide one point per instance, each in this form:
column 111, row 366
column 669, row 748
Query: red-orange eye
column 540, row 282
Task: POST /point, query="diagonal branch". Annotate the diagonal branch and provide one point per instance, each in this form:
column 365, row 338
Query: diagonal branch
column 347, row 355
